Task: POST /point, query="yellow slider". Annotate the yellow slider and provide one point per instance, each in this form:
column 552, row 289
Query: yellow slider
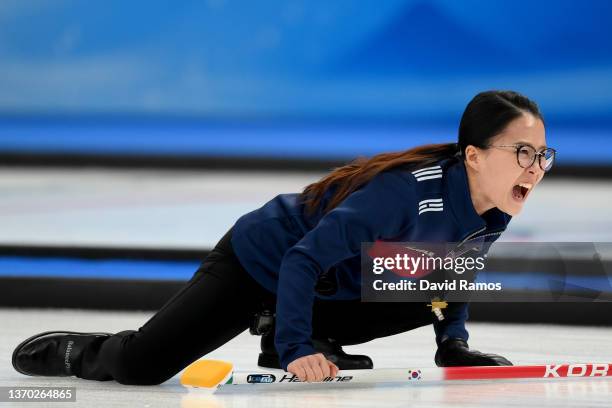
column 206, row 373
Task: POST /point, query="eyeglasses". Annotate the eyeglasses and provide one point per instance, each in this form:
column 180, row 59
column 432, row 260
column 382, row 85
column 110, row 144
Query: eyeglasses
column 526, row 155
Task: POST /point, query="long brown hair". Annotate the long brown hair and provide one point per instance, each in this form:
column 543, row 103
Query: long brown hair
column 350, row 177
column 485, row 116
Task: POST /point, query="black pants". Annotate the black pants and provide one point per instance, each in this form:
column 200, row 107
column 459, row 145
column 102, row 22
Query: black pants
column 216, row 305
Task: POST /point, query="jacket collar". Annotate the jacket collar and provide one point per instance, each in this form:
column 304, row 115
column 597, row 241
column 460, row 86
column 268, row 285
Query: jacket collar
column 457, row 192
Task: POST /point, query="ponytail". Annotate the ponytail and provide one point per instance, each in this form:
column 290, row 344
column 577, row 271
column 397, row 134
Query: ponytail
column 352, row 176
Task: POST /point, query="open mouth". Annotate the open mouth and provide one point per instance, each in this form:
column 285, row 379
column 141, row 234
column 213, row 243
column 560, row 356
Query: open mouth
column 521, row 191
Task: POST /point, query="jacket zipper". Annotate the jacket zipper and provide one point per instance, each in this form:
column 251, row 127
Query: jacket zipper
column 471, row 236
column 475, row 235
column 491, row 233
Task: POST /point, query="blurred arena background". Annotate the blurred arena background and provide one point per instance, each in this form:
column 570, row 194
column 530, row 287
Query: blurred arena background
column 133, row 135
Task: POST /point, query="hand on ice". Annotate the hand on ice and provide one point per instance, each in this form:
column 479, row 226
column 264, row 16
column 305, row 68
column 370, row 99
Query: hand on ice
column 314, row 367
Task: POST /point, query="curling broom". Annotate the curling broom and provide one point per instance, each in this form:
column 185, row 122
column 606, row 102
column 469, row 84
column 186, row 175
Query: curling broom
column 217, row 373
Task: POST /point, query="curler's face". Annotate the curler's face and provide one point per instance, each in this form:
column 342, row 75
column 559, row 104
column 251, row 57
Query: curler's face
column 509, row 169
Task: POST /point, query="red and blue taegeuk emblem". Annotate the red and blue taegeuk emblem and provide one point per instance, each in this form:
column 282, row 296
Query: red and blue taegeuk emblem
column 414, row 374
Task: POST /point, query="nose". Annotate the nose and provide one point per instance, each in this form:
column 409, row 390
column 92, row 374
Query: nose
column 536, row 170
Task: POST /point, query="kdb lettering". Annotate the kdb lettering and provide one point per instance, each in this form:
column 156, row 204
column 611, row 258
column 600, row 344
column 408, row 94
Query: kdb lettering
column 577, row 370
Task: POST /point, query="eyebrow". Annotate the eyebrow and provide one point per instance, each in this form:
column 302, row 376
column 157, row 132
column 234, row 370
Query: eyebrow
column 529, row 144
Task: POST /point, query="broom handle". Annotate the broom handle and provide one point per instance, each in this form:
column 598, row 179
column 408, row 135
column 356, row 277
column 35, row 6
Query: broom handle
column 433, row 374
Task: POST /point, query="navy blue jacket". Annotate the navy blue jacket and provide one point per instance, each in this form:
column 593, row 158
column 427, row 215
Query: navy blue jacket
column 286, row 251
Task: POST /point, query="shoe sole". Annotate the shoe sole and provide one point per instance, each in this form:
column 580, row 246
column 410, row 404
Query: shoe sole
column 43, row 334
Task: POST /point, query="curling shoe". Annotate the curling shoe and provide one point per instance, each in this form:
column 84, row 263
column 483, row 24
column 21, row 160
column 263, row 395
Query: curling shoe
column 53, row 353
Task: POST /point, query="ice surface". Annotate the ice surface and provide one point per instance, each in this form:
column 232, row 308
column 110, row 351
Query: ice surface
column 522, row 344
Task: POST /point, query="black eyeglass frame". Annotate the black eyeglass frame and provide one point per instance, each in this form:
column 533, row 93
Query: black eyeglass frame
column 536, row 154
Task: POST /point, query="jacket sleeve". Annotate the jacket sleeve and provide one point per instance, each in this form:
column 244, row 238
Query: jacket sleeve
column 380, row 209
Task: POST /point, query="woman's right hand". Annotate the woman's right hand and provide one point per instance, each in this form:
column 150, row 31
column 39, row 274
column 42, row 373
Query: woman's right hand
column 314, row 367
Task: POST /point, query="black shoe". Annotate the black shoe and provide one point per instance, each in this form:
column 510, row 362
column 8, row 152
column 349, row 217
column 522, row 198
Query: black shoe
column 52, row 353
column 332, row 351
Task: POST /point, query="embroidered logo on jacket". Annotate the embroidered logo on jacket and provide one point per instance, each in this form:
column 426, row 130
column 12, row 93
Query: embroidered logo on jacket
column 432, row 204
column 428, row 173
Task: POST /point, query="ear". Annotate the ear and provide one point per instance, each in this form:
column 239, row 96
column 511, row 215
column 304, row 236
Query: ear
column 473, row 157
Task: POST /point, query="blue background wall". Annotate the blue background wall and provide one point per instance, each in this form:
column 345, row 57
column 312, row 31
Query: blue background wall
column 295, row 78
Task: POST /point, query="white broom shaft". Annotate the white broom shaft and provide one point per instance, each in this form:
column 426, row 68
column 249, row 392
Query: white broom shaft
column 434, row 374
column 344, row 376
